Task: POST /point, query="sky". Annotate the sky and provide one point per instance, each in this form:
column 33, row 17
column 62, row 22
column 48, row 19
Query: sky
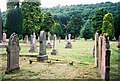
column 52, row 3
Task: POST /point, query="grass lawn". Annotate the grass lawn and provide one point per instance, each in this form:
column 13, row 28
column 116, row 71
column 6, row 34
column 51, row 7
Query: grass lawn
column 81, row 54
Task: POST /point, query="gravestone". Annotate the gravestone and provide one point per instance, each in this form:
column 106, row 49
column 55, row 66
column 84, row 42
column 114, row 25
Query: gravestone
column 59, row 39
column 105, row 59
column 4, row 38
column 33, row 47
column 99, row 51
column 49, row 43
column 0, row 27
column 42, row 51
column 13, row 49
column 54, row 51
column 96, row 50
column 31, row 39
column 69, row 45
column 66, row 38
column 26, row 40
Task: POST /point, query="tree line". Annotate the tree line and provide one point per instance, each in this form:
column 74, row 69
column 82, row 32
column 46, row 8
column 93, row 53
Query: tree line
column 78, row 20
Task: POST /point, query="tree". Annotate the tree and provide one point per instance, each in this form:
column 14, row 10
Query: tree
column 57, row 29
column 97, row 20
column 74, row 25
column 14, row 19
column 86, row 31
column 31, row 17
column 108, row 25
column 47, row 22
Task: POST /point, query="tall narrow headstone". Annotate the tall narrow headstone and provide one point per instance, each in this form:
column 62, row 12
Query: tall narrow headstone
column 0, row 27
column 54, row 51
column 99, row 52
column 13, row 49
column 66, row 38
column 119, row 43
column 69, row 45
column 96, row 50
column 4, row 38
column 105, row 61
column 33, row 47
column 42, row 51
column 26, row 40
column 49, row 43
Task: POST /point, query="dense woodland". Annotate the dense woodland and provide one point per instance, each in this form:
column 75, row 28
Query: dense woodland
column 79, row 20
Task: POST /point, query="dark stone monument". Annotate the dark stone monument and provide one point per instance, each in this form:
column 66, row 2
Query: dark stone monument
column 0, row 27
column 105, row 59
column 13, row 49
column 54, row 51
column 42, row 51
column 119, row 43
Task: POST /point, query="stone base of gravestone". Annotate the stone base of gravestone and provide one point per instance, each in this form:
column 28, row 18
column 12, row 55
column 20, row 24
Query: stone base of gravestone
column 33, row 49
column 8, row 71
column 48, row 45
column 54, row 52
column 68, row 45
column 42, row 58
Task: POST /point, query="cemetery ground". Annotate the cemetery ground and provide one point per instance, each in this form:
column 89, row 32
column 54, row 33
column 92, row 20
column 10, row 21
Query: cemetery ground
column 58, row 66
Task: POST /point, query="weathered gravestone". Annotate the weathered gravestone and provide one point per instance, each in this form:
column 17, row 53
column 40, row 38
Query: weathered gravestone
column 66, row 38
column 33, row 47
column 105, row 59
column 54, row 51
column 26, row 40
column 69, row 45
column 49, row 43
column 13, row 49
column 42, row 51
column 4, row 38
column 119, row 43
column 96, row 50
column 0, row 27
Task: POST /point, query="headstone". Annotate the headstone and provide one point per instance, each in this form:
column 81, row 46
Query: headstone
column 99, row 52
column 105, row 59
column 13, row 49
column 0, row 27
column 42, row 51
column 31, row 39
column 4, row 38
column 33, row 47
column 49, row 43
column 54, row 51
column 66, row 38
column 59, row 39
column 69, row 45
column 96, row 50
column 26, row 40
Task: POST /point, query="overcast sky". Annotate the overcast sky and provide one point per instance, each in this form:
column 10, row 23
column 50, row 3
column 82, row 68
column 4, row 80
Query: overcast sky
column 51, row 3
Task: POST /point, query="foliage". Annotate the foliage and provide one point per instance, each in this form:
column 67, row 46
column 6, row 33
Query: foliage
column 74, row 25
column 14, row 21
column 31, row 17
column 97, row 20
column 108, row 25
column 86, row 31
column 47, row 22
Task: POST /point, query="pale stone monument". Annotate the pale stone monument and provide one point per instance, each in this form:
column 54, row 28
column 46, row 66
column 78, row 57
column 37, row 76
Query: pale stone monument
column 26, row 40
column 54, row 51
column 42, row 51
column 13, row 49
column 69, row 45
column 33, row 47
column 4, row 38
column 96, row 50
column 66, row 38
column 49, row 43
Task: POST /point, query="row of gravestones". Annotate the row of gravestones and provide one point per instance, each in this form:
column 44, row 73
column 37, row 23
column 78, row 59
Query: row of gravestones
column 13, row 49
column 102, row 56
